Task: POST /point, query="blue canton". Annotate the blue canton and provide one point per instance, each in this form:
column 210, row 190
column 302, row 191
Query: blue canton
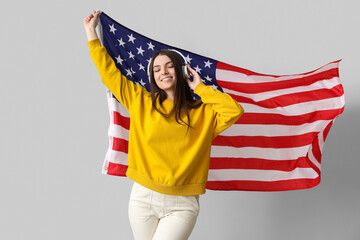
column 132, row 52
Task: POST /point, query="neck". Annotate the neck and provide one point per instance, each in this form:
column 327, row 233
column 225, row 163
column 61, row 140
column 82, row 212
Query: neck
column 170, row 95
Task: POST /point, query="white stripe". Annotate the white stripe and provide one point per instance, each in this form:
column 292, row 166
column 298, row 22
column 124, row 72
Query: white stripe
column 119, row 157
column 105, row 167
column 115, row 131
column 274, row 130
column 109, row 152
column 257, row 152
column 298, row 109
column 260, row 175
column 236, row 77
column 313, row 159
column 119, row 132
column 257, row 97
column 118, row 107
column 311, row 156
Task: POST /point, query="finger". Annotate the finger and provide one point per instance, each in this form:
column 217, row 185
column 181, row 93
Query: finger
column 96, row 13
column 188, row 67
column 192, row 71
column 189, row 70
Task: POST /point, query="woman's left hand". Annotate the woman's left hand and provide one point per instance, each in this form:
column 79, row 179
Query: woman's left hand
column 196, row 78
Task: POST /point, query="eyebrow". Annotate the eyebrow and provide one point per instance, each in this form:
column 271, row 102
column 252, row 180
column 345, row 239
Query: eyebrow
column 165, row 64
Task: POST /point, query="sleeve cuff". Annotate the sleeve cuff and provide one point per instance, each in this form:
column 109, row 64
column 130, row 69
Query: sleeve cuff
column 94, row 43
column 198, row 89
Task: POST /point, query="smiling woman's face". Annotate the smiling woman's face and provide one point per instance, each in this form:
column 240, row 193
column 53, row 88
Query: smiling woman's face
column 164, row 73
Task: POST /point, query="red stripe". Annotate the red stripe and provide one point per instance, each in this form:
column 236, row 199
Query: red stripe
column 278, row 85
column 257, row 163
column 265, row 142
column 117, row 169
column 121, row 120
column 284, row 185
column 270, row 118
column 316, row 149
column 313, row 166
column 293, row 98
column 120, row 145
column 327, row 129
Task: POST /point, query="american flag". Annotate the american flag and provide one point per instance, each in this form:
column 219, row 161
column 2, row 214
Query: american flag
column 275, row 146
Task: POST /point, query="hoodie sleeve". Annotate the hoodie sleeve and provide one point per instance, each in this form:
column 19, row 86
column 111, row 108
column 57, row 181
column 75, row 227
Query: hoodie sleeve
column 123, row 89
column 226, row 110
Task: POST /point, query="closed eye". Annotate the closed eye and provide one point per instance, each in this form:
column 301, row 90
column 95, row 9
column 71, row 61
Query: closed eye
column 169, row 64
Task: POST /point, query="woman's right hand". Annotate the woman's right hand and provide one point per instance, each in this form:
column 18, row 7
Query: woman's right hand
column 90, row 24
column 91, row 21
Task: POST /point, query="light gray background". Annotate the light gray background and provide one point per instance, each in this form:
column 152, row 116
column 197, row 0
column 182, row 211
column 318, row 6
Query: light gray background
column 54, row 115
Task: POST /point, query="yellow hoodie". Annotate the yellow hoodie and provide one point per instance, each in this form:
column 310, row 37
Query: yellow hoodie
column 163, row 155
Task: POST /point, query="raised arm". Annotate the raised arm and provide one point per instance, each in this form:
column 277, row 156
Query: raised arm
column 124, row 90
column 90, row 24
column 226, row 110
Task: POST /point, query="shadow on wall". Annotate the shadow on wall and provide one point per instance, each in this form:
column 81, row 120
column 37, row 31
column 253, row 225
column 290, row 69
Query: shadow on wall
column 330, row 211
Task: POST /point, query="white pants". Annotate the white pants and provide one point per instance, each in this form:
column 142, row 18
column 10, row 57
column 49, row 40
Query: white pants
column 159, row 216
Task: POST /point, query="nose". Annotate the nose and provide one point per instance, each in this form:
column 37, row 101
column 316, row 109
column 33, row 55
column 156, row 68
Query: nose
column 164, row 71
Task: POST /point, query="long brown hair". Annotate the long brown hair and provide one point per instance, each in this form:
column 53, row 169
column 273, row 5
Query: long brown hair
column 183, row 100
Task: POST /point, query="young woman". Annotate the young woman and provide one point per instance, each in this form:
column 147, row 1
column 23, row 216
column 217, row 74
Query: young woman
column 169, row 141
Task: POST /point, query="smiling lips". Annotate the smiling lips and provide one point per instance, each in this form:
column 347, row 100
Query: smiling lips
column 165, row 79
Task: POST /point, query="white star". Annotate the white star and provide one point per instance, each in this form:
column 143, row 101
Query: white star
column 119, row 60
column 112, row 29
column 208, row 64
column 132, row 71
column 197, row 69
column 141, row 67
column 188, row 59
column 214, row 87
column 131, row 55
column 140, row 51
column 121, row 43
column 208, row 78
column 128, row 72
column 131, row 38
column 151, row 46
column 142, row 83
